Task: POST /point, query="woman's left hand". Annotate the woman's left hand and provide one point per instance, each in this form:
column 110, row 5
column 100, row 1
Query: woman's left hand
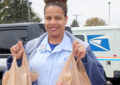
column 79, row 50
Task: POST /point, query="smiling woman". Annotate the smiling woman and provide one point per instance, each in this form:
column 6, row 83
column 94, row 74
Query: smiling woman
column 55, row 20
column 55, row 24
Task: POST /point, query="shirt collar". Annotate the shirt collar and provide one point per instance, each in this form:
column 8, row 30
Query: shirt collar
column 66, row 44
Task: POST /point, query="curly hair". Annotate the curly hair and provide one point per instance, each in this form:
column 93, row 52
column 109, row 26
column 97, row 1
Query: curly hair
column 59, row 3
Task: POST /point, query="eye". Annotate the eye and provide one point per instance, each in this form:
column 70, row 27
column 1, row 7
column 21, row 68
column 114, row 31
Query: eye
column 48, row 18
column 58, row 18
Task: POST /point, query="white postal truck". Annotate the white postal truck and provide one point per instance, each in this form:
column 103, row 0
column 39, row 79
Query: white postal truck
column 105, row 43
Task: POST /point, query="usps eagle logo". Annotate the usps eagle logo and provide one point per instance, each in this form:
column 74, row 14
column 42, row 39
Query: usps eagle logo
column 98, row 42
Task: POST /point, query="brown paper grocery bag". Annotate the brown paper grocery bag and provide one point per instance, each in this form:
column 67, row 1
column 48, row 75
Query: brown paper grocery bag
column 73, row 73
column 18, row 75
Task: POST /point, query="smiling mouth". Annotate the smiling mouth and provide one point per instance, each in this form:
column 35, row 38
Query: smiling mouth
column 53, row 29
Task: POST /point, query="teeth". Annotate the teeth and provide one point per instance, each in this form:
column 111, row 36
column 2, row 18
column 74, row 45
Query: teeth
column 53, row 28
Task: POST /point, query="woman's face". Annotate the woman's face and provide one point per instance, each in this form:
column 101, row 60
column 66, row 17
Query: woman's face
column 55, row 21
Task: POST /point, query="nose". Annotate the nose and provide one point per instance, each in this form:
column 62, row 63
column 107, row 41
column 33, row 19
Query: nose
column 52, row 21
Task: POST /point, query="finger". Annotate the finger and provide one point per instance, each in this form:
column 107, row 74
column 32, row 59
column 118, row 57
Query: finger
column 81, row 52
column 75, row 51
column 20, row 54
column 76, row 42
column 75, row 48
column 20, row 44
column 78, row 50
column 17, row 48
column 13, row 51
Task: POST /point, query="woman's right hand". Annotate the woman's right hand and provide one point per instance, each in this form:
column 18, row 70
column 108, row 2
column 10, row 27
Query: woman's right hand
column 17, row 50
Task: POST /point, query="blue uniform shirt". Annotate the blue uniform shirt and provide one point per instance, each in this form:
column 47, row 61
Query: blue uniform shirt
column 47, row 63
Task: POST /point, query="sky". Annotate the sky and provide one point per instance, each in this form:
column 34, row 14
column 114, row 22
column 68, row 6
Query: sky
column 86, row 9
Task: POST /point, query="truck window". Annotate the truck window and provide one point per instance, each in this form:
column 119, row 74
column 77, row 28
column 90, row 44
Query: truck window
column 10, row 37
column 80, row 37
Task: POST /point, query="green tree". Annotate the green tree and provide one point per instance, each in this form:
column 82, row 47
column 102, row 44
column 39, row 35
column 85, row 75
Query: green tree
column 95, row 21
column 13, row 11
column 74, row 23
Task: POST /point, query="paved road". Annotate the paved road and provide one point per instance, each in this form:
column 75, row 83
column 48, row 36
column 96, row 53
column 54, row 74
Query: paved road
column 0, row 82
